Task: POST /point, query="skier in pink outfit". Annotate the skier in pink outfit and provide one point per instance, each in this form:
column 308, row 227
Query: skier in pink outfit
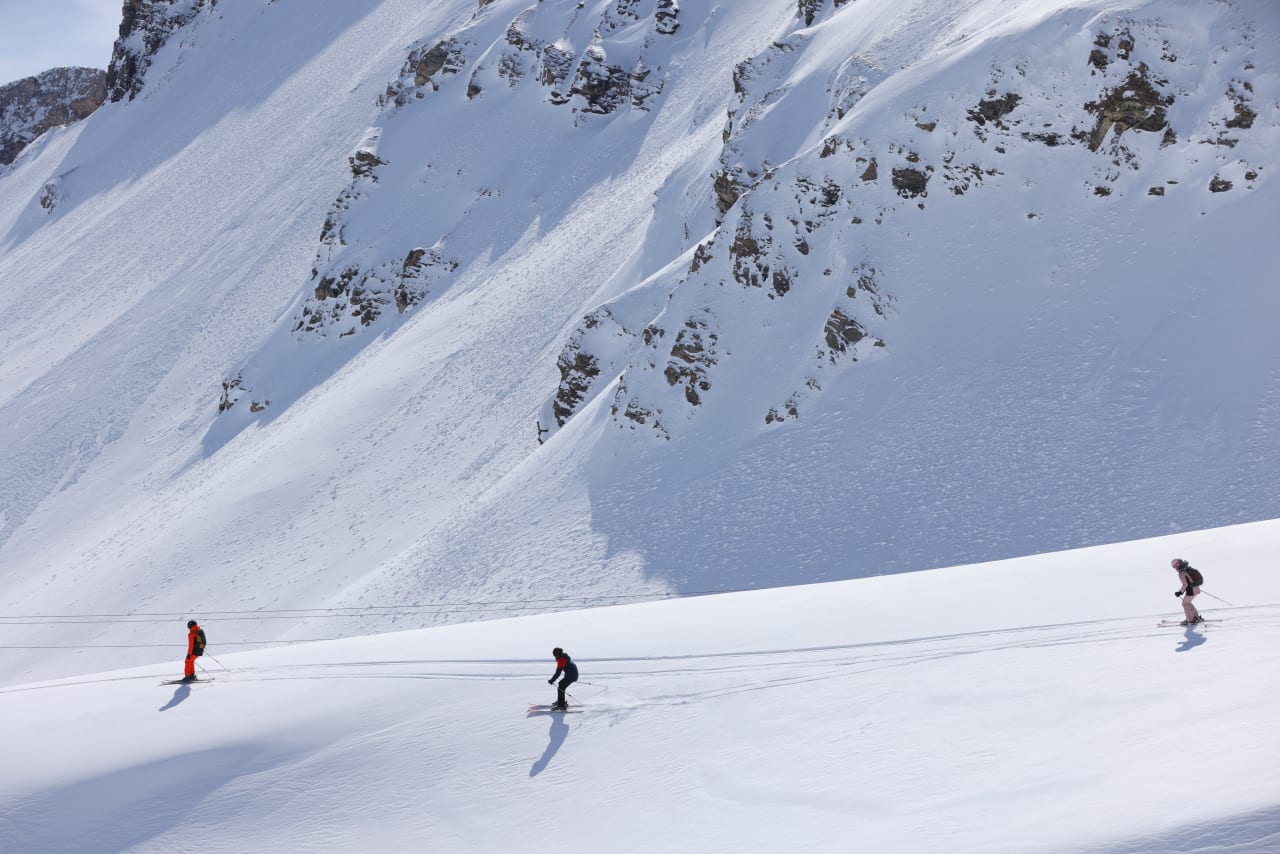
column 1191, row 580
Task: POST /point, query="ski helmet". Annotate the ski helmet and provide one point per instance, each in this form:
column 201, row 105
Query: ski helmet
column 1177, row 563
column 557, row 652
column 191, row 624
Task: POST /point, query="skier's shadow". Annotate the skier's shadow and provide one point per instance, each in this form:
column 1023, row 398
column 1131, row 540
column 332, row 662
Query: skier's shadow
column 559, row 732
column 183, row 692
column 1192, row 640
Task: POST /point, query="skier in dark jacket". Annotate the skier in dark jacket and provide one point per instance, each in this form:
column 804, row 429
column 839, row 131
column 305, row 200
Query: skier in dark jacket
column 195, row 649
column 1189, row 590
column 565, row 665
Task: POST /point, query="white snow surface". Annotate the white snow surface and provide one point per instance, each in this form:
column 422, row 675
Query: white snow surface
column 1071, row 365
column 1028, row 705
column 1060, row 368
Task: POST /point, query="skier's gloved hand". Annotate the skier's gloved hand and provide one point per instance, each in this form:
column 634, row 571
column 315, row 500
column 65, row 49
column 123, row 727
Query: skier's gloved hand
column 552, row 680
column 1178, row 594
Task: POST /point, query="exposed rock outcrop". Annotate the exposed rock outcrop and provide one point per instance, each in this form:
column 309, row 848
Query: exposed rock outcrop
column 911, row 182
column 808, row 9
column 1136, row 103
column 691, row 357
column 993, row 109
column 145, row 27
column 52, row 194
column 353, row 296
column 602, row 86
column 666, row 18
column 612, row 72
column 349, row 292
column 33, row 105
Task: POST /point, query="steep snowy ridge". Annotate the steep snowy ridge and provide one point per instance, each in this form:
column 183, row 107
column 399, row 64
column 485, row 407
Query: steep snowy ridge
column 1039, row 254
column 509, row 301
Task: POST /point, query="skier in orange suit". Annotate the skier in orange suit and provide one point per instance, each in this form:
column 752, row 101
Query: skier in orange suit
column 195, row 649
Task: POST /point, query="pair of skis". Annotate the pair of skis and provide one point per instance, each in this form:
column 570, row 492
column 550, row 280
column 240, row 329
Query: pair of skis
column 542, row 709
column 186, row 681
column 1167, row 623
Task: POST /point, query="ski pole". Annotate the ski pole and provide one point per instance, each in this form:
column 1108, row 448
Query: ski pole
column 1219, row 598
column 219, row 663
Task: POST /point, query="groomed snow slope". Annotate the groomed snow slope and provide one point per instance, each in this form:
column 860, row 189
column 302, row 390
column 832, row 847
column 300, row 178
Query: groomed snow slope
column 1030, row 705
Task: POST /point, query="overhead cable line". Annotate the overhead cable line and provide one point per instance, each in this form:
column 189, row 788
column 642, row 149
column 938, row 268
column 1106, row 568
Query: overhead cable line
column 213, row 615
column 383, row 610
column 169, row 645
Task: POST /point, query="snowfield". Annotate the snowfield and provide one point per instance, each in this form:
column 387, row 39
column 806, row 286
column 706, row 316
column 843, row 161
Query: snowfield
column 1030, row 705
column 399, row 342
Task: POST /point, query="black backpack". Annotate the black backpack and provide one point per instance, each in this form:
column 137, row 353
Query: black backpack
column 1194, row 574
column 198, row 647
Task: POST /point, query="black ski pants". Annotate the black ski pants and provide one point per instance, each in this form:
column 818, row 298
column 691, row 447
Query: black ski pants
column 561, row 687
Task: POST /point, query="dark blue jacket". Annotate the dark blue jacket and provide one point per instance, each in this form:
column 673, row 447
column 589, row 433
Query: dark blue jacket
column 565, row 665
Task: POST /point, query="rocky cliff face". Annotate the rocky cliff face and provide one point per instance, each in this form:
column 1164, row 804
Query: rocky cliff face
column 33, row 105
column 616, row 69
column 144, row 28
column 807, row 182
column 788, row 212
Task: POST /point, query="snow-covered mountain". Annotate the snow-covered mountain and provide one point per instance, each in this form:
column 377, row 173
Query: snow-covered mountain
column 376, row 303
column 33, row 105
column 1031, row 705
